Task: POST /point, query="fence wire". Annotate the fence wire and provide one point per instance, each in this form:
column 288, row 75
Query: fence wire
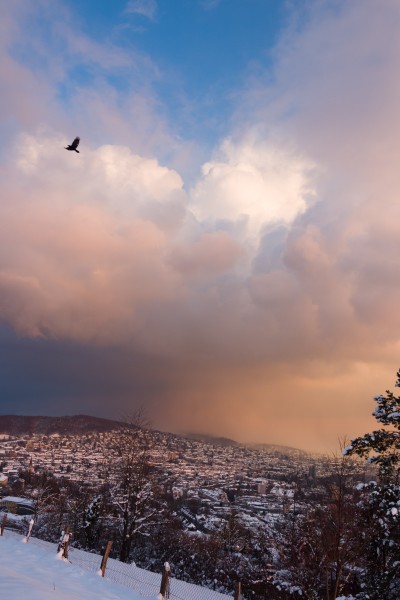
column 145, row 583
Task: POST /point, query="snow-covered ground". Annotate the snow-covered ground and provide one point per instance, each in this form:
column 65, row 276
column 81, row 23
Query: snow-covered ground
column 34, row 571
column 28, row 571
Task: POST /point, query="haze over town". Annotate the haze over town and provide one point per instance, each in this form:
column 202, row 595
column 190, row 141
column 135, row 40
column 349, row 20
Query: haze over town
column 223, row 251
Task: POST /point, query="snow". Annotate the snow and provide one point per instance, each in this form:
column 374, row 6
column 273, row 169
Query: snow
column 18, row 500
column 12, row 517
column 394, row 415
column 34, row 570
column 347, row 450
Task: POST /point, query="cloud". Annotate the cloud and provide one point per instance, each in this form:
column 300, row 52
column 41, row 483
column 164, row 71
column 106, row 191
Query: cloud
column 145, row 8
column 85, row 239
column 108, row 238
column 252, row 184
column 260, row 299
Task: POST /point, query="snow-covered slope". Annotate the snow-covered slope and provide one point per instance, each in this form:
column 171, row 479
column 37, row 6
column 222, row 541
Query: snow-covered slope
column 33, row 571
column 28, row 571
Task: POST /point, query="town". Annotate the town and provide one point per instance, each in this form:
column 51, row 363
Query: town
column 208, row 477
column 214, row 508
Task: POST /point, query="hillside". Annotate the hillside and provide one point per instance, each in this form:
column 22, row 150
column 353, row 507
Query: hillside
column 28, row 571
column 34, row 571
column 20, row 425
column 79, row 424
column 210, row 439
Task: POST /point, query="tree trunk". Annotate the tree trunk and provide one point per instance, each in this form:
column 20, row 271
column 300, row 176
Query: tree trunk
column 126, row 545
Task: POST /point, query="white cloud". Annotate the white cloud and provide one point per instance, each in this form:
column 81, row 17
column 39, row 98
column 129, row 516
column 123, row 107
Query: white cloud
column 252, row 184
column 145, row 8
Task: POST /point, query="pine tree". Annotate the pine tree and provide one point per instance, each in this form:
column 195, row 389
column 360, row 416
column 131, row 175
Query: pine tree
column 382, row 446
column 380, row 518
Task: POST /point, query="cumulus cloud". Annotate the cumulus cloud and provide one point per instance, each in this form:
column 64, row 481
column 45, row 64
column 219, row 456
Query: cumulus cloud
column 251, row 185
column 85, row 239
column 108, row 237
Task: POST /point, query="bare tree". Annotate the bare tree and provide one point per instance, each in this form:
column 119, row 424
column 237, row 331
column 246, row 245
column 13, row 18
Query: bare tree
column 235, row 536
column 133, row 484
column 320, row 548
column 338, row 526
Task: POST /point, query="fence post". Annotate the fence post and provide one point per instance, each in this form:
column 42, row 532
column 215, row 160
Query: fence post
column 28, row 535
column 3, row 523
column 164, row 588
column 237, row 590
column 105, row 557
column 63, row 545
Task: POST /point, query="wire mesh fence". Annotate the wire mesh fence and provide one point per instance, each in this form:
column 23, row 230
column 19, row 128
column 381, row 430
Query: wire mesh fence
column 145, row 583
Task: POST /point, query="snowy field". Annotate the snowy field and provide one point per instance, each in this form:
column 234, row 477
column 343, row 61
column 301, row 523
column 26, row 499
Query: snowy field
column 33, row 571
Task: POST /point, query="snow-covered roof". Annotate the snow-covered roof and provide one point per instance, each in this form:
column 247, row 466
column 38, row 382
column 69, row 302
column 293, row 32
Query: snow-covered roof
column 17, row 500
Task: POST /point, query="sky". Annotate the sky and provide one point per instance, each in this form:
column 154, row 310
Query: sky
column 224, row 250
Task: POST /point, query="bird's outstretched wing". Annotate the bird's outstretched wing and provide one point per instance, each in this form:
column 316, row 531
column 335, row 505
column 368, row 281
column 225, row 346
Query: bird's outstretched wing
column 74, row 145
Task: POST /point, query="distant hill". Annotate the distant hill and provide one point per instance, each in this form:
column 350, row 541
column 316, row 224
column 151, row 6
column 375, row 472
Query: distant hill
column 19, row 425
column 78, row 424
column 276, row 448
column 210, row 439
column 223, row 441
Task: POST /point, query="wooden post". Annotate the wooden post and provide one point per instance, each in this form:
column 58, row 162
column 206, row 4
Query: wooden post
column 237, row 590
column 105, row 557
column 3, row 523
column 64, row 541
column 28, row 535
column 164, row 588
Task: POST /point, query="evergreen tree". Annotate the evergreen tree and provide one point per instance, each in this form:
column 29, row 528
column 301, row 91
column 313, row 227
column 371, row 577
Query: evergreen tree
column 380, row 518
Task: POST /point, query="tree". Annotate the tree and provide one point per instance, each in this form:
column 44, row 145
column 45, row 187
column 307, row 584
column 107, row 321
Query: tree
column 339, row 524
column 91, row 518
column 382, row 447
column 380, row 521
column 318, row 548
column 51, row 504
column 234, row 535
column 132, row 485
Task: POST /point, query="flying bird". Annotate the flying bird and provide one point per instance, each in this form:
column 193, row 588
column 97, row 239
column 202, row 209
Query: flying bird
column 74, row 145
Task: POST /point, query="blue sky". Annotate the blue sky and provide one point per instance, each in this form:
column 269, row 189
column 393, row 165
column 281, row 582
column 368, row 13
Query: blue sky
column 203, row 50
column 228, row 234
column 193, row 57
